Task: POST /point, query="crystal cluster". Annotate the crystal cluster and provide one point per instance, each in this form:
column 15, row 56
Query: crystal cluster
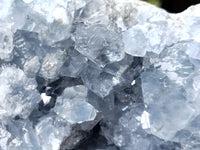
column 98, row 74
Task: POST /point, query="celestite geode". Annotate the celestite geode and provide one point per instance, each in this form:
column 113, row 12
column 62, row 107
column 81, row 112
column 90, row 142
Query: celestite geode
column 98, row 75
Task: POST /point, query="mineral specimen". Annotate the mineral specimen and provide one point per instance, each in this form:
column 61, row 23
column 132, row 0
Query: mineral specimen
column 98, row 74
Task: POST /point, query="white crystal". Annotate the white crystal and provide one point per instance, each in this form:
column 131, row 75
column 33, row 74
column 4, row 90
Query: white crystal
column 32, row 66
column 5, row 8
column 27, row 1
column 135, row 42
column 18, row 94
column 6, row 44
column 54, row 10
column 52, row 64
column 46, row 99
column 4, row 137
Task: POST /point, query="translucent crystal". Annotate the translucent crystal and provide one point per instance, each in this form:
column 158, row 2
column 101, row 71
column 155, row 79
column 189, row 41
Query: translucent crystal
column 134, row 42
column 189, row 136
column 52, row 24
column 193, row 89
column 51, row 64
column 23, row 135
column 174, row 89
column 27, row 46
column 157, row 35
column 193, row 49
column 72, row 103
column 120, row 67
column 99, row 44
column 104, row 105
column 95, row 12
column 128, row 132
column 51, row 131
column 168, row 106
column 191, row 21
column 17, row 134
column 100, row 82
column 18, row 94
column 132, row 93
column 4, row 137
column 74, row 64
column 173, row 79
column 33, row 56
column 154, row 30
column 32, row 67
column 175, row 62
column 51, row 11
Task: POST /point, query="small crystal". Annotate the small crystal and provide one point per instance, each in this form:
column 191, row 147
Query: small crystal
column 74, row 64
column 72, row 103
column 51, row 64
column 100, row 82
column 135, row 42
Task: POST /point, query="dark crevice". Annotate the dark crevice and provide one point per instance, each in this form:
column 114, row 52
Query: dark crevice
column 95, row 141
column 176, row 6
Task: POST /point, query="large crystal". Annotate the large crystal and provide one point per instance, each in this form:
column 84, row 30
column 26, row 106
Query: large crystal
column 167, row 104
column 100, row 44
column 128, row 131
column 174, row 90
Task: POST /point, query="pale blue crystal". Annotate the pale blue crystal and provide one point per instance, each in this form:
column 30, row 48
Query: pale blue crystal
column 72, row 103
